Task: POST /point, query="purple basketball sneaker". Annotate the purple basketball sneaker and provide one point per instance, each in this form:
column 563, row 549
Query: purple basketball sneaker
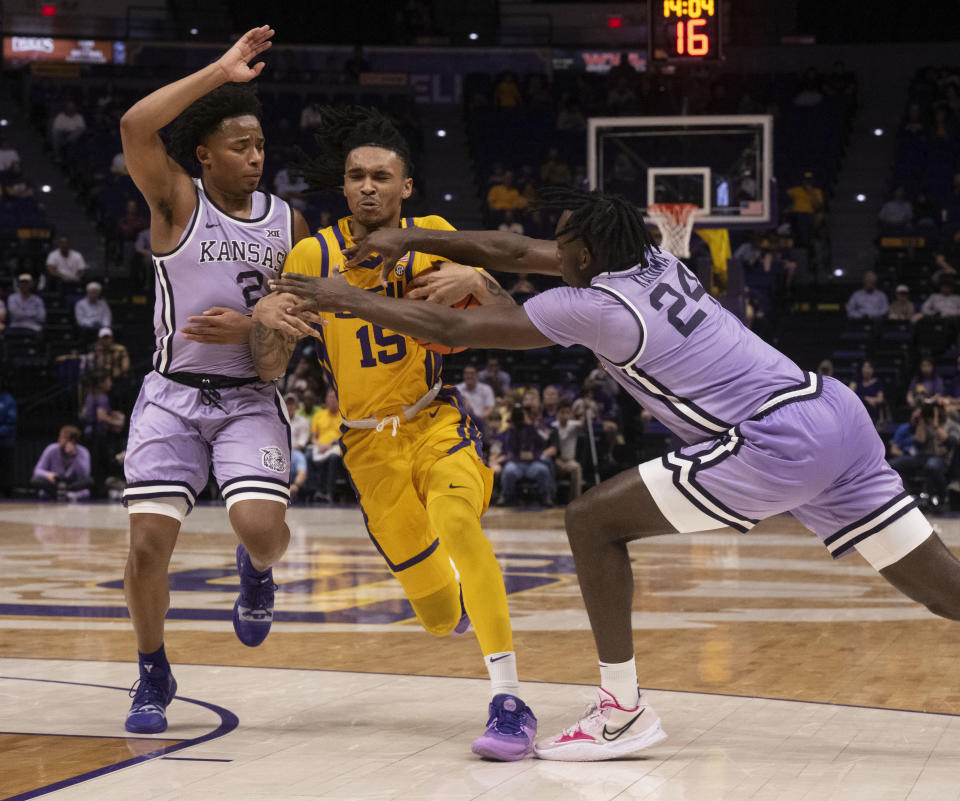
column 151, row 695
column 253, row 611
column 510, row 732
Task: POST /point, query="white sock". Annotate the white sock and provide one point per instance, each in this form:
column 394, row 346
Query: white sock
column 502, row 668
column 620, row 680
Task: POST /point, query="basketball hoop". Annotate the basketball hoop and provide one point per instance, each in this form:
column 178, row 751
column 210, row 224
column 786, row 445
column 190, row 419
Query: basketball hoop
column 675, row 221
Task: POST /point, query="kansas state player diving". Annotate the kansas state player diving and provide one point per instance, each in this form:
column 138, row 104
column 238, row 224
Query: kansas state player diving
column 763, row 436
column 216, row 241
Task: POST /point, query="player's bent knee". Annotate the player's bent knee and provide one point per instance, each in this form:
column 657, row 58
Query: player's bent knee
column 439, row 612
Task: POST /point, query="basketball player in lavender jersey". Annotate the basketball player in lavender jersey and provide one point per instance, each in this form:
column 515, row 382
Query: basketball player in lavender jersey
column 216, row 240
column 764, row 437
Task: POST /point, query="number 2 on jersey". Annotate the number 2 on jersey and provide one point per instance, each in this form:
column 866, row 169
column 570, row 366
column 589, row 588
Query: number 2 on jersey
column 692, row 290
column 386, row 341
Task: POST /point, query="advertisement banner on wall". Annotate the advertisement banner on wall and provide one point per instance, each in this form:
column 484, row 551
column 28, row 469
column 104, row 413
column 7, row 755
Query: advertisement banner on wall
column 21, row 50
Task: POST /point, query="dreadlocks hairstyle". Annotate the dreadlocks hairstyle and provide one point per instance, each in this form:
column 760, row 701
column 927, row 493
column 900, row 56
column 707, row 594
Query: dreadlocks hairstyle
column 342, row 130
column 610, row 226
column 202, row 117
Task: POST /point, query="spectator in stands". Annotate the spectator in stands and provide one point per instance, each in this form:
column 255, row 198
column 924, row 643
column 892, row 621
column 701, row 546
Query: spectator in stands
column 8, row 437
column 63, row 470
column 141, row 261
column 299, row 424
column 807, row 209
column 935, row 437
column 523, row 288
column 290, row 186
column 943, row 268
column 68, row 126
column 901, row 443
column 26, row 312
column 570, row 116
column 825, row 368
column 499, row 380
column 312, row 115
column 15, row 185
column 527, row 184
column 623, row 70
column 913, row 124
column 869, row 388
column 92, row 313
column 750, row 252
column 566, row 438
column 118, row 165
column 496, row 174
column 525, row 451
column 299, row 442
column 308, row 407
column 325, row 446
column 8, row 155
column 538, row 93
column 554, row 171
column 506, row 94
column 951, row 206
column 131, row 223
column 97, row 415
column 926, row 213
column 580, row 180
column 298, row 382
column 106, row 356
column 537, row 225
column 505, row 195
column 896, row 213
column 65, row 265
column 356, row 65
column 551, row 402
column 868, row 302
column 621, row 99
column 479, row 396
column 945, row 303
column 902, row 307
column 510, row 223
column 809, row 93
column 925, row 385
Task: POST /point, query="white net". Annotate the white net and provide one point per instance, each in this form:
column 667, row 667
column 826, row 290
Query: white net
column 675, row 221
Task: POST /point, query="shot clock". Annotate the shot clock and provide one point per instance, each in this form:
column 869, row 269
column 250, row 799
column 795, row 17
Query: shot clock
column 684, row 30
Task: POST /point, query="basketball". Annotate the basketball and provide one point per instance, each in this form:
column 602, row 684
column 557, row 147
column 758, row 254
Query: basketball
column 468, row 302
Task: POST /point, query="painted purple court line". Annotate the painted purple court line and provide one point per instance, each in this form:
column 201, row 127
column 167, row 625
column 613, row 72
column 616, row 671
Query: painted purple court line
column 228, row 722
column 195, row 759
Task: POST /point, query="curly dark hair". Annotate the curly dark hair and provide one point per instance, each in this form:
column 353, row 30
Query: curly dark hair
column 344, row 129
column 610, row 226
column 204, row 115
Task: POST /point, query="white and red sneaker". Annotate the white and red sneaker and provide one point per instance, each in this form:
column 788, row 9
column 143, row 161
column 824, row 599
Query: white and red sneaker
column 606, row 731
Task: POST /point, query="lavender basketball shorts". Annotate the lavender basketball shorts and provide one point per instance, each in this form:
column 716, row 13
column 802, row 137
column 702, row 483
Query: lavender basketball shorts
column 175, row 437
column 817, row 456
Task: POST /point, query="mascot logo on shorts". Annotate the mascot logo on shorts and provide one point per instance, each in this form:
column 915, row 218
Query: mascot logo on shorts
column 273, row 459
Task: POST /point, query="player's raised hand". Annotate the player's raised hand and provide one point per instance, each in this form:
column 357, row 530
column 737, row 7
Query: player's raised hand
column 389, row 243
column 235, row 62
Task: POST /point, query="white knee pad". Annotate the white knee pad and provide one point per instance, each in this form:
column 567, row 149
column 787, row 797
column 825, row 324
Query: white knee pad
column 168, row 507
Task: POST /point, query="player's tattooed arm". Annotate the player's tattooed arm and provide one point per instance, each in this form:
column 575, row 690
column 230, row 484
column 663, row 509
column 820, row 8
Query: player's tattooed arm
column 275, row 331
column 271, row 350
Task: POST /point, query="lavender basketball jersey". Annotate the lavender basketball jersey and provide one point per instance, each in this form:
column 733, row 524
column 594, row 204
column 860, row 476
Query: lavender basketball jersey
column 677, row 351
column 221, row 261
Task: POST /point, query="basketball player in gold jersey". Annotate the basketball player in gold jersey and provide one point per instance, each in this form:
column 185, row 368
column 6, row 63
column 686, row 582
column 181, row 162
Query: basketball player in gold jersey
column 410, row 448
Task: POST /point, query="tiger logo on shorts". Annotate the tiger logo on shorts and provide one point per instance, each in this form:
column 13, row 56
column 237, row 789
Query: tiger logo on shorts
column 273, row 459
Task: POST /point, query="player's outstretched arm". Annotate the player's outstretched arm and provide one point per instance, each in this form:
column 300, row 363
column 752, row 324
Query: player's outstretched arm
column 493, row 326
column 494, row 250
column 164, row 184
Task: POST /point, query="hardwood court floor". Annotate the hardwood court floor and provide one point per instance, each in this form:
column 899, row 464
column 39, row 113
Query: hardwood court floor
column 764, row 616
